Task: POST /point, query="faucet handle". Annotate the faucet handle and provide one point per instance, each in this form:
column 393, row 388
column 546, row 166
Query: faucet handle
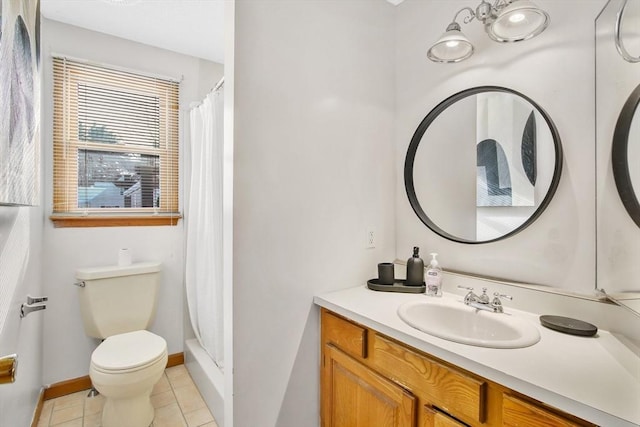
column 497, row 304
column 470, row 296
column 496, row 298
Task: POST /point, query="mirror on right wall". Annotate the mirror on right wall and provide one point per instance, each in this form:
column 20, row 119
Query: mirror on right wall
column 617, row 48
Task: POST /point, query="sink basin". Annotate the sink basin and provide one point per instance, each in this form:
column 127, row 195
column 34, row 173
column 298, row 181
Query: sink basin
column 452, row 320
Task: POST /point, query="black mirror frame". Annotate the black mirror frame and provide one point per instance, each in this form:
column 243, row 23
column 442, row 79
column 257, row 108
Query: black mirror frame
column 422, row 128
column 620, row 158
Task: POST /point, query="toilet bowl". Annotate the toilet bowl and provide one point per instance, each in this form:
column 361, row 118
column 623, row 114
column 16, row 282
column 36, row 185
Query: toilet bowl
column 117, row 304
column 124, row 369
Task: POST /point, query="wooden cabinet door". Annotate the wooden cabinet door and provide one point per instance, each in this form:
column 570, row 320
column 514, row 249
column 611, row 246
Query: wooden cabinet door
column 435, row 418
column 355, row 396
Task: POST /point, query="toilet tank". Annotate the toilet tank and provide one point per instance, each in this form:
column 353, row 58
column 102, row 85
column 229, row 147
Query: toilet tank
column 118, row 299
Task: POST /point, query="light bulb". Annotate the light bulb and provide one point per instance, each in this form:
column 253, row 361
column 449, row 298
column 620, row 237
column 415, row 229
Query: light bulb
column 519, row 21
column 516, row 17
column 452, row 46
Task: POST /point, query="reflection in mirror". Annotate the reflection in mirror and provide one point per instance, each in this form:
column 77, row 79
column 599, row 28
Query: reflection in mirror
column 482, row 165
column 626, row 155
column 633, row 149
column 618, row 152
column 627, row 36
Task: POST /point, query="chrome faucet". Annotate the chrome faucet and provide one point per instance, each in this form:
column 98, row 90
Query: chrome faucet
column 482, row 302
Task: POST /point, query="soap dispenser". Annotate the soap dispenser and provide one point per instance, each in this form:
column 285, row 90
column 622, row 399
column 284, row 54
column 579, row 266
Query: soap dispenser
column 434, row 277
column 415, row 269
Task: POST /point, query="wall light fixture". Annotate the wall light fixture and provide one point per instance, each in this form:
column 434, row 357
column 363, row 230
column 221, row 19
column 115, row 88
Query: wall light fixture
column 505, row 21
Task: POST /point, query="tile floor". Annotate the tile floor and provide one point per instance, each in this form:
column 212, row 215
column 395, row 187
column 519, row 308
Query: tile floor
column 176, row 400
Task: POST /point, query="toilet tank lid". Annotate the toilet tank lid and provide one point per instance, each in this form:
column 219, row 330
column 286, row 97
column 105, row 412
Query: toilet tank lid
column 93, row 273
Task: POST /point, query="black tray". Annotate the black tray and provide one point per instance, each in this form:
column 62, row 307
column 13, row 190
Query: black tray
column 398, row 286
column 568, row 325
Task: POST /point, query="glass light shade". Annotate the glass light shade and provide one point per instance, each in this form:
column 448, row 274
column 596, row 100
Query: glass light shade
column 521, row 20
column 453, row 46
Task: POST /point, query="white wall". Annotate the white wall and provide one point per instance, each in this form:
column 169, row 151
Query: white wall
column 314, row 167
column 66, row 348
column 20, row 266
column 20, row 275
column 556, row 70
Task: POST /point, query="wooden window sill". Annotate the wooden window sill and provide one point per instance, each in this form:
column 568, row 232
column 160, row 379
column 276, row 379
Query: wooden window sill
column 67, row 221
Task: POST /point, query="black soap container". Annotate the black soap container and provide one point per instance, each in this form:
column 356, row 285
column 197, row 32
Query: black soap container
column 415, row 269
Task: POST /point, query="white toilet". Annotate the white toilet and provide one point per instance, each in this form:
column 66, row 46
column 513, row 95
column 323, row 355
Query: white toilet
column 117, row 304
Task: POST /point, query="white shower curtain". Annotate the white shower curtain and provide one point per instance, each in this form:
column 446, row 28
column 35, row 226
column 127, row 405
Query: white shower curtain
column 203, row 264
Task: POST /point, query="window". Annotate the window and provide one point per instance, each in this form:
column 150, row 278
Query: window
column 115, row 145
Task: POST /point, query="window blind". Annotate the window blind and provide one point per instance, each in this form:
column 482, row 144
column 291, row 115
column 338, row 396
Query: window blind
column 115, row 141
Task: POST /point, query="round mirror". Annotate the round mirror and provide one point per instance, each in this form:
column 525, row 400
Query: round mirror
column 625, row 155
column 482, row 165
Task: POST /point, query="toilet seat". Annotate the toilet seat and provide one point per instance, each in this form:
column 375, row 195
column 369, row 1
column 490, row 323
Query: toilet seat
column 128, row 352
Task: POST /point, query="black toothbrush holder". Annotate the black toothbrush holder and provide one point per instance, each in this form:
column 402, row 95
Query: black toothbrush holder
column 385, row 273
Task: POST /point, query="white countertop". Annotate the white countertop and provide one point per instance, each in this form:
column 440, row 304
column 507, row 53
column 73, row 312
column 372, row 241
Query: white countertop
column 595, row 378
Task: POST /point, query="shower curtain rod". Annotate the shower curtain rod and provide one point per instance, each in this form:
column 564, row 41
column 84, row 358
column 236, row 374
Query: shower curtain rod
column 218, row 85
column 215, row 88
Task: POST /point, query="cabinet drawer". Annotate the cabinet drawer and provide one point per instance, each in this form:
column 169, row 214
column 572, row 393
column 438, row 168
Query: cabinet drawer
column 347, row 336
column 520, row 413
column 453, row 391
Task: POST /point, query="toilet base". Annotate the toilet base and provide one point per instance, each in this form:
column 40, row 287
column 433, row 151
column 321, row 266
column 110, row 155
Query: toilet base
column 129, row 412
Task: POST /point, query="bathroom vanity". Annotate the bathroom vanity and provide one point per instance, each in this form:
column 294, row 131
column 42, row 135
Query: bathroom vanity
column 376, row 367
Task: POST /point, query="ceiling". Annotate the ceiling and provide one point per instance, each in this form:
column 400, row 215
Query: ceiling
column 190, row 27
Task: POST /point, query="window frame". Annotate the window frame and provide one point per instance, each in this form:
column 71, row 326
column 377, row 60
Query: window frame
column 68, row 74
